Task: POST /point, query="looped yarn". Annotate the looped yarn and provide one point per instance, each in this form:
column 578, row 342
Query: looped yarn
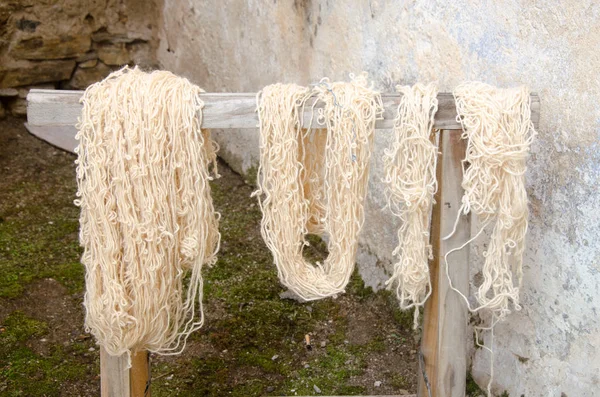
column 410, row 178
column 147, row 217
column 315, row 181
column 499, row 132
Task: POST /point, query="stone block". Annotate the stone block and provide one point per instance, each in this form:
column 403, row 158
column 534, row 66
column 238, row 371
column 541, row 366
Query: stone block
column 23, row 91
column 83, row 77
column 9, row 92
column 57, row 47
column 18, row 107
column 102, row 36
column 21, row 73
column 88, row 64
column 113, row 54
column 88, row 56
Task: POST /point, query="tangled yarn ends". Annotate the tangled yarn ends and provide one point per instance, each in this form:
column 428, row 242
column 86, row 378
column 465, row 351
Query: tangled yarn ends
column 147, row 219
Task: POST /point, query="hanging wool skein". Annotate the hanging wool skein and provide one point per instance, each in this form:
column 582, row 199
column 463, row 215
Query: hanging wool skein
column 499, row 131
column 410, row 177
column 310, row 184
column 147, row 219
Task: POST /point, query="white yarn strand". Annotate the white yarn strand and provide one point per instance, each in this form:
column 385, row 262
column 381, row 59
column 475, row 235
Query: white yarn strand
column 410, row 178
column 307, row 183
column 147, row 219
column 499, row 131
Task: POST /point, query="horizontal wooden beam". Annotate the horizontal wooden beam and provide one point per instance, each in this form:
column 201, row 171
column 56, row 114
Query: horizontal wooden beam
column 223, row 110
column 61, row 136
column 53, row 114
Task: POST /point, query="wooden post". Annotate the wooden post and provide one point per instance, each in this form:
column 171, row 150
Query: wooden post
column 444, row 341
column 139, row 378
column 118, row 381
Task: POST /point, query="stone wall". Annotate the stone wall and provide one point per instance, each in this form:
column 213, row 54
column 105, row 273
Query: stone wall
column 70, row 44
column 551, row 347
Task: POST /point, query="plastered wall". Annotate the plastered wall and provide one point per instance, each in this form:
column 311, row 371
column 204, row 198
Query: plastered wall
column 551, row 347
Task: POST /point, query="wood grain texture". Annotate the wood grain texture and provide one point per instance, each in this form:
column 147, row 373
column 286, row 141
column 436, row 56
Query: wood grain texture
column 119, row 381
column 61, row 136
column 140, row 375
column 223, row 110
column 444, row 342
column 114, row 375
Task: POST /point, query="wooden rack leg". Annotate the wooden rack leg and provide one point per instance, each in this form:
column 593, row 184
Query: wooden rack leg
column 118, row 381
column 444, row 341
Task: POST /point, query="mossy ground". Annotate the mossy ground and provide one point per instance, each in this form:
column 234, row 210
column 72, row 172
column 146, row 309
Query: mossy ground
column 253, row 342
column 43, row 348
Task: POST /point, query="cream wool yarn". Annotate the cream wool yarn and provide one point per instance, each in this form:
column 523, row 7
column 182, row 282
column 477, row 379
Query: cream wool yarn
column 147, row 219
column 499, row 131
column 410, row 178
column 310, row 184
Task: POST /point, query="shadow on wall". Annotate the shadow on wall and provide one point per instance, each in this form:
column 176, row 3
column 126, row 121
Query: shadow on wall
column 66, row 46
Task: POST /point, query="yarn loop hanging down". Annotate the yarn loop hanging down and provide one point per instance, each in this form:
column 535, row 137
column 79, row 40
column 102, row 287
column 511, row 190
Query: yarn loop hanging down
column 310, row 183
column 410, row 177
column 147, row 219
column 499, row 131
column 498, row 128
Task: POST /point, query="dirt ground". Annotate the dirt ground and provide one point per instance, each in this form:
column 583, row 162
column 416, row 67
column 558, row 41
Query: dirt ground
column 253, row 342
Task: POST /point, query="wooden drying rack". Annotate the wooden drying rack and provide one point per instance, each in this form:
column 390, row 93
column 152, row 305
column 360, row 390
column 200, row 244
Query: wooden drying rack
column 52, row 115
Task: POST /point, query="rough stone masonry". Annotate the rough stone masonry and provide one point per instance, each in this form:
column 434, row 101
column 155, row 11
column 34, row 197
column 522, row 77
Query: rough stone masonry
column 69, row 44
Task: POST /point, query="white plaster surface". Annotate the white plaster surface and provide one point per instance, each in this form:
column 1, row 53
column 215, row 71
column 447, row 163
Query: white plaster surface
column 551, row 347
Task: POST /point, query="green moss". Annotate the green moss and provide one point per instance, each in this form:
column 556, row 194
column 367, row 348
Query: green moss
column 263, row 359
column 251, row 387
column 404, row 318
column 472, row 388
column 377, row 344
column 19, row 328
column 25, row 373
column 399, row 381
column 251, row 175
column 70, row 274
column 357, row 287
column 329, row 372
column 38, row 241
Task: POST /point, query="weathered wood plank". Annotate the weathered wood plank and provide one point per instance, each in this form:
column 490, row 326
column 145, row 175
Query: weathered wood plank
column 61, row 136
column 114, row 375
column 119, row 381
column 444, row 343
column 223, row 110
column 140, row 375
